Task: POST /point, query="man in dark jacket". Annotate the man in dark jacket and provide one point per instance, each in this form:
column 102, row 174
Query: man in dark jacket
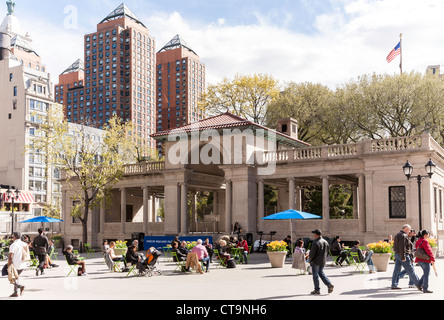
column 318, row 258
column 402, row 248
column 40, row 245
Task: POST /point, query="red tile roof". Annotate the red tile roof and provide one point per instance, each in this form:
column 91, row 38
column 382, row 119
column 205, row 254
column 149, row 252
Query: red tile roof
column 225, row 120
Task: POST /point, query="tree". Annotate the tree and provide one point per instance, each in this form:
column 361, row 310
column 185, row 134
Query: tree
column 91, row 166
column 396, row 105
column 340, row 201
column 372, row 107
column 307, row 103
column 245, row 96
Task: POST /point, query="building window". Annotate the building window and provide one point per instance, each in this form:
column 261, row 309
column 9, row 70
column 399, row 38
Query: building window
column 15, row 91
column 397, row 202
column 440, row 204
column 435, row 198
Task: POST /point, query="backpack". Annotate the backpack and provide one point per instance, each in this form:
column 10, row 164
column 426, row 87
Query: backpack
column 231, row 264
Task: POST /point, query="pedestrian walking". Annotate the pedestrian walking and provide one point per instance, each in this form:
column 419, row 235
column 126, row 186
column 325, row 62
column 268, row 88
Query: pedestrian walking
column 16, row 262
column 411, row 237
column 318, row 259
column 40, row 245
column 402, row 248
column 424, row 244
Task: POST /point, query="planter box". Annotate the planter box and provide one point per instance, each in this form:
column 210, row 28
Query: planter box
column 277, row 259
column 120, row 252
column 381, row 261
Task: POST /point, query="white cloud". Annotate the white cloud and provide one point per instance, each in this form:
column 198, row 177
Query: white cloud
column 352, row 39
column 349, row 41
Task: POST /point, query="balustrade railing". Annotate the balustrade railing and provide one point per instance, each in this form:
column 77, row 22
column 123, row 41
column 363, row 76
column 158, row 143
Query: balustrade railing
column 144, row 168
column 351, row 150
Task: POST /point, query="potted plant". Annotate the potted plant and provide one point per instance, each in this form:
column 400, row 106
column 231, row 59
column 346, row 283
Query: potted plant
column 382, row 251
column 191, row 245
column 120, row 248
column 434, row 245
column 277, row 251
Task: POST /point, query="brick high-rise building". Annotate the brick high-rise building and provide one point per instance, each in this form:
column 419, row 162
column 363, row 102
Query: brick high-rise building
column 180, row 84
column 117, row 78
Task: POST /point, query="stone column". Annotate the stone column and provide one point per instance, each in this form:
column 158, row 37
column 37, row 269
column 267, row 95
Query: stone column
column 325, row 203
column 215, row 205
column 145, row 209
column 172, row 209
column 355, row 202
column 183, row 208
column 361, row 203
column 298, row 198
column 193, row 211
column 153, row 208
column 228, row 205
column 369, row 212
column 261, row 199
column 122, row 210
column 102, row 217
column 194, row 206
column 291, row 193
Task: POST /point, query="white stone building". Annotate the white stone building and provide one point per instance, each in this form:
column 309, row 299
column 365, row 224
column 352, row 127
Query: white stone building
column 383, row 198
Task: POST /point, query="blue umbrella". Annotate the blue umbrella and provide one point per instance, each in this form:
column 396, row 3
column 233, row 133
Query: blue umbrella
column 42, row 219
column 292, row 215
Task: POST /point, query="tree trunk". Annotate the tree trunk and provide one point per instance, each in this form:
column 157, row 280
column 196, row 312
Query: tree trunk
column 85, row 224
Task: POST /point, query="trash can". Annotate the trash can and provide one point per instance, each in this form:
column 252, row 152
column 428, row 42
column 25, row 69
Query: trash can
column 249, row 239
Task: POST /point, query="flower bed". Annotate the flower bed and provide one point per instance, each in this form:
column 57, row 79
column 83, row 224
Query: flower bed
column 380, row 247
column 277, row 246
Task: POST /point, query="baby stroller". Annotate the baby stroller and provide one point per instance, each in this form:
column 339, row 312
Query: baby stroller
column 150, row 262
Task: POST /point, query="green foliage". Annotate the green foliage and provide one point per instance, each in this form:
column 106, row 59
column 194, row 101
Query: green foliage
column 371, row 107
column 341, row 201
column 90, row 167
column 246, row 96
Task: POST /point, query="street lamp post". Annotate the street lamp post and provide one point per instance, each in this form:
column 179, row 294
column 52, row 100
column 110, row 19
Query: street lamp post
column 13, row 195
column 408, row 170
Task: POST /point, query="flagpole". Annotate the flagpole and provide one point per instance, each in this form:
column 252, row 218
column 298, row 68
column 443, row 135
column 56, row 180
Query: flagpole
column 400, row 41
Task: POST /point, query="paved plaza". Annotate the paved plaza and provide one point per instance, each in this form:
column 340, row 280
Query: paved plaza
column 253, row 281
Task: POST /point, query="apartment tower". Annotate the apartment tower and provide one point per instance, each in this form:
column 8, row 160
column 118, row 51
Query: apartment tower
column 180, row 84
column 116, row 77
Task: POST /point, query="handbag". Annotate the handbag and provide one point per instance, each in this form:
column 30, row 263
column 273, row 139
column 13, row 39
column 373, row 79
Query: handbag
column 421, row 254
column 25, row 253
column 5, row 270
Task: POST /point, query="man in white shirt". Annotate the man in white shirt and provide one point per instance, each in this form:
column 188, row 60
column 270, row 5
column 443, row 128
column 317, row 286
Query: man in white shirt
column 16, row 258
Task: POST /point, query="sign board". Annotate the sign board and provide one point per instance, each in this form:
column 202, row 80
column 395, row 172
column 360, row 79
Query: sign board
column 160, row 241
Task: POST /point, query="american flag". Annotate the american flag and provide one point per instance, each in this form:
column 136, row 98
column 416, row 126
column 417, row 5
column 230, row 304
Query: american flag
column 394, row 53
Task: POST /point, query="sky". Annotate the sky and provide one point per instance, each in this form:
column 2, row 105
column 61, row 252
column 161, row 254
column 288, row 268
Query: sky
column 330, row 42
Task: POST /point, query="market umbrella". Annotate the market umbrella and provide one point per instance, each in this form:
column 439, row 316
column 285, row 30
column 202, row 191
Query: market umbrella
column 292, row 215
column 42, row 219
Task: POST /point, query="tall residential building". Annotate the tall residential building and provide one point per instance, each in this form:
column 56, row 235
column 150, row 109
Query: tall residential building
column 116, row 78
column 180, row 84
column 26, row 97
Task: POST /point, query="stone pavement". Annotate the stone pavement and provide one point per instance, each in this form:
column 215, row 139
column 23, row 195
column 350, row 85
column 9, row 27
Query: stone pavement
column 253, row 281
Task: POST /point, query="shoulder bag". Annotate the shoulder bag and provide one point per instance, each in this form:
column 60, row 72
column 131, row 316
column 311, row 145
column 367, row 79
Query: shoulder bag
column 421, row 254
